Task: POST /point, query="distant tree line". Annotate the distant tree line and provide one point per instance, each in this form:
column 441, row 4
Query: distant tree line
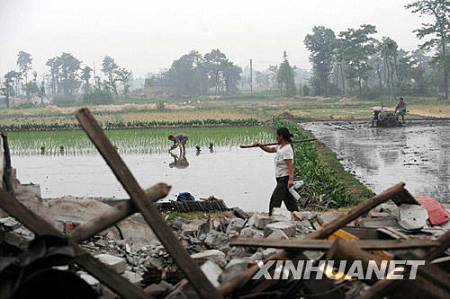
column 66, row 79
column 347, row 63
column 353, row 62
column 194, row 74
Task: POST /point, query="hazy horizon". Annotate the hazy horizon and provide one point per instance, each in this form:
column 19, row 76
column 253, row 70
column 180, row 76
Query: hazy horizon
column 146, row 36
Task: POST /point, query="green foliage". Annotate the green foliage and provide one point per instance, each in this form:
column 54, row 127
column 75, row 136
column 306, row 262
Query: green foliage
column 134, row 141
column 194, row 75
column 321, row 43
column 285, row 78
column 114, row 125
column 437, row 32
column 323, row 188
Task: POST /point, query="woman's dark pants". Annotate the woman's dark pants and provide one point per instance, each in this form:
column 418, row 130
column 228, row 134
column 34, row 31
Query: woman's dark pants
column 282, row 194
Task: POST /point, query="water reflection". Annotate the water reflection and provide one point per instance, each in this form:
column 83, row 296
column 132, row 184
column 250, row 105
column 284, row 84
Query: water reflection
column 179, row 161
column 418, row 154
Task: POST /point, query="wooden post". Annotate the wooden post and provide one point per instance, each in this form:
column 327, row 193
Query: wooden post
column 115, row 214
column 39, row 226
column 151, row 215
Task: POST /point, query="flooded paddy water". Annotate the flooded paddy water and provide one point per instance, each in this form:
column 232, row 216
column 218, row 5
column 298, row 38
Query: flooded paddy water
column 65, row 163
column 417, row 154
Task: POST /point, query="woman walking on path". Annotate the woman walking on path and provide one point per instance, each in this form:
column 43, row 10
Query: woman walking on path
column 284, row 171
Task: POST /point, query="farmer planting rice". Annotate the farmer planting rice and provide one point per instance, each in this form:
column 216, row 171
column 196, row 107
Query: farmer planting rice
column 178, row 141
column 284, row 170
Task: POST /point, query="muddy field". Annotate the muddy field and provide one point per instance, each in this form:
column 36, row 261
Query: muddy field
column 417, row 154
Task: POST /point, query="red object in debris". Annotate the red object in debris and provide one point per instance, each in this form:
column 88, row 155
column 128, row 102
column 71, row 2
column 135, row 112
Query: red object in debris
column 437, row 214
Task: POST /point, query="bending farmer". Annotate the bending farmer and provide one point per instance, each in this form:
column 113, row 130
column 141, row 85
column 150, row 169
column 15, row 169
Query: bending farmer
column 178, row 141
column 284, row 171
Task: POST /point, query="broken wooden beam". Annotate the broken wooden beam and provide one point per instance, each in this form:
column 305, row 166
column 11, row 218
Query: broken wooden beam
column 151, row 215
column 115, row 214
column 364, row 207
column 39, row 226
column 324, row 245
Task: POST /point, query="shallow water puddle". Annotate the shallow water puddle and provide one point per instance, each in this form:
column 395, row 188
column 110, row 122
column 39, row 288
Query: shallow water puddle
column 417, row 154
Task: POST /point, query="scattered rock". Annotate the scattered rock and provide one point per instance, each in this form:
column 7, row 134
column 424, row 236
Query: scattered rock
column 118, row 264
column 412, row 217
column 277, row 234
column 288, row 227
column 279, row 214
column 132, row 277
column 212, row 272
column 251, row 233
column 261, row 221
column 235, row 225
column 216, row 240
column 214, row 255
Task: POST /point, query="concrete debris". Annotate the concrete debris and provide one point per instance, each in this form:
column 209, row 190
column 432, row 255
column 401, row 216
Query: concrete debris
column 235, row 226
column 277, row 234
column 133, row 277
column 261, row 221
column 216, row 240
column 118, row 264
column 412, row 217
column 279, row 214
column 208, row 242
column 288, row 227
column 214, row 255
column 251, row 233
column 212, row 272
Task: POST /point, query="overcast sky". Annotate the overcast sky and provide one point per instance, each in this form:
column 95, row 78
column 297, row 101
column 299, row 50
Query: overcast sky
column 147, row 35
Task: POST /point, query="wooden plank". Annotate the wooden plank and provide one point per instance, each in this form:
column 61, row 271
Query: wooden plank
column 151, row 215
column 322, row 245
column 115, row 214
column 39, row 226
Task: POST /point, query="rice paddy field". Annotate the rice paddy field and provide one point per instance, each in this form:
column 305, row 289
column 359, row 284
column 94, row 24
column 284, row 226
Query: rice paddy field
column 65, row 163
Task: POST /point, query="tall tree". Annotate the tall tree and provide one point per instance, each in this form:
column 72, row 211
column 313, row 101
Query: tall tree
column 54, row 65
column 69, row 67
column 124, row 76
column 285, row 78
column 215, row 63
column 357, row 46
column 109, row 68
column 187, row 75
column 24, row 61
column 86, row 77
column 321, row 43
column 8, row 88
column 438, row 31
column 388, row 50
